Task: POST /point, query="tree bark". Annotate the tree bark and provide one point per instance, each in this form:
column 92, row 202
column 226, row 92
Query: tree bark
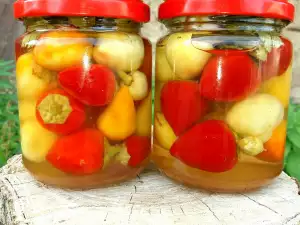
column 10, row 29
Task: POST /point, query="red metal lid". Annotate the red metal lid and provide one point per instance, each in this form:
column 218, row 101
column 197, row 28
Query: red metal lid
column 129, row 9
column 280, row 9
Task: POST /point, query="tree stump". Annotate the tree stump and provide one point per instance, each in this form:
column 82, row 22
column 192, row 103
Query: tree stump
column 150, row 199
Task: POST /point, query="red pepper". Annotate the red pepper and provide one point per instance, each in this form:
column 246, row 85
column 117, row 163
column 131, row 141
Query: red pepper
column 229, row 77
column 78, row 153
column 138, row 148
column 182, row 104
column 134, row 151
column 94, row 86
column 278, row 60
column 59, row 112
column 146, row 67
column 18, row 47
column 208, row 146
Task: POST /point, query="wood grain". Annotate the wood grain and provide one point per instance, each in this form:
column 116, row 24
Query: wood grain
column 148, row 199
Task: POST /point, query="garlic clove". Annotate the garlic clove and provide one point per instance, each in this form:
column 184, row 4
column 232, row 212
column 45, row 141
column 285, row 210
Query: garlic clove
column 184, row 58
column 255, row 115
column 119, row 51
column 139, row 86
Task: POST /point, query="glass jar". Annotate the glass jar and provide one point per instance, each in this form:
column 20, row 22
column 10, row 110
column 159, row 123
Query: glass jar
column 84, row 90
column 222, row 90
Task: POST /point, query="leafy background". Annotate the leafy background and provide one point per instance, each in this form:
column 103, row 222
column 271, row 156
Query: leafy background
column 9, row 123
column 292, row 149
column 9, row 120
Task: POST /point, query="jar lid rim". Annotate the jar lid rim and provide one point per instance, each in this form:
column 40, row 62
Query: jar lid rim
column 278, row 9
column 134, row 10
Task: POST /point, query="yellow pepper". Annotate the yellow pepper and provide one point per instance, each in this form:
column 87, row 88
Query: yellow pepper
column 59, row 50
column 118, row 121
column 36, row 141
column 279, row 87
column 163, row 132
column 29, row 86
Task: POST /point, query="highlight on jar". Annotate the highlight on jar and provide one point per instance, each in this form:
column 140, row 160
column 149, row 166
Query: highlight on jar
column 221, row 108
column 85, row 106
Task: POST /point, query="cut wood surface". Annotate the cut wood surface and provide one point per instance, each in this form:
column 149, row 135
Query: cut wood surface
column 150, row 199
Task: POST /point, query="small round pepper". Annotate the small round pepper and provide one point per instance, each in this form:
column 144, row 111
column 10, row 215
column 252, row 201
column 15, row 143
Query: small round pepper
column 78, row 153
column 208, row 146
column 229, row 77
column 59, row 112
column 93, row 86
column 182, row 104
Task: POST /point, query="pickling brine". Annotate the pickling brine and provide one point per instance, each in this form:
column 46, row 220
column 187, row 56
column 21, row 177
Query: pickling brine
column 221, row 97
column 84, row 90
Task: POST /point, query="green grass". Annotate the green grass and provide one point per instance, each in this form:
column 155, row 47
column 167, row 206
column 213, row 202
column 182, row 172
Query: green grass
column 9, row 120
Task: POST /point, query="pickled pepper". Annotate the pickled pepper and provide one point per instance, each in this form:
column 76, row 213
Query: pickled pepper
column 93, row 86
column 59, row 112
